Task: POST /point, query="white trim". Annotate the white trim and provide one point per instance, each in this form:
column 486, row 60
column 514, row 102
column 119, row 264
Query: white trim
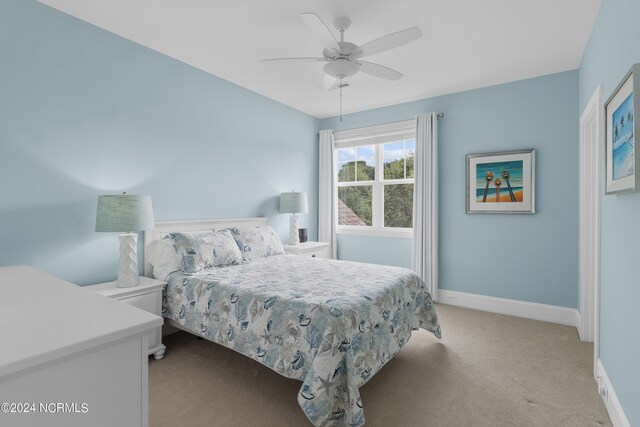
column 375, row 136
column 376, row 139
column 590, row 206
column 355, row 230
column 379, row 133
column 610, row 398
column 510, row 307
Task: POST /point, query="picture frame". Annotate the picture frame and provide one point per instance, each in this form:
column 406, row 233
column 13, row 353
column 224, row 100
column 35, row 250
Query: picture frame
column 501, row 182
column 622, row 160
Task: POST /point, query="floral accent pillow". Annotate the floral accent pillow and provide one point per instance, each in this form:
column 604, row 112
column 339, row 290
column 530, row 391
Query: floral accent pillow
column 225, row 249
column 195, row 251
column 257, row 242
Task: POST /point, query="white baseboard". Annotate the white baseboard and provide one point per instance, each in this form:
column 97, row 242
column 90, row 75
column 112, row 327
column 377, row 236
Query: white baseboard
column 510, row 307
column 579, row 326
column 608, row 394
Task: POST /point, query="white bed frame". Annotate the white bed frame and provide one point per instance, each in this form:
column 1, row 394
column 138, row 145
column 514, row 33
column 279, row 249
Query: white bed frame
column 162, row 228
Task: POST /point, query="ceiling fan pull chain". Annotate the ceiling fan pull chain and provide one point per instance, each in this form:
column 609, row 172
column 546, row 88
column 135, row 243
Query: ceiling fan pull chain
column 340, row 100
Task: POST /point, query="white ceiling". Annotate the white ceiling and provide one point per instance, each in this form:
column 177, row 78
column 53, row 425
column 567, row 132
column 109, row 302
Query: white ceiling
column 467, row 44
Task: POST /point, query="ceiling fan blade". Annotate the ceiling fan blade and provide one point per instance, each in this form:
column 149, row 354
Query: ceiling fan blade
column 330, row 54
column 320, row 29
column 328, row 82
column 391, row 41
column 292, row 60
column 379, row 71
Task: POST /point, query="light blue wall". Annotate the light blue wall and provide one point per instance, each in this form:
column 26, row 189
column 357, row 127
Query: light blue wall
column 374, row 249
column 524, row 257
column 613, row 47
column 84, row 112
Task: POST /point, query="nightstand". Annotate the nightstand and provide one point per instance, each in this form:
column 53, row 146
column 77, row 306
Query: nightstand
column 146, row 296
column 311, row 249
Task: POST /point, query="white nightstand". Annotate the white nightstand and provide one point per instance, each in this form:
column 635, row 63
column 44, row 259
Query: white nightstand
column 312, row 249
column 146, row 296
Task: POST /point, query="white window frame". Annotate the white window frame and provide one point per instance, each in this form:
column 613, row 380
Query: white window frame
column 376, row 136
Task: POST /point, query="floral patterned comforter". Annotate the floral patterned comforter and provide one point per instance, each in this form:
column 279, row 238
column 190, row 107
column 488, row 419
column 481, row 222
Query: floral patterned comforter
column 331, row 324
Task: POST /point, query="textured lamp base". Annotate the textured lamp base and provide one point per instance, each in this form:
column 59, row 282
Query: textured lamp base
column 128, row 268
column 294, row 237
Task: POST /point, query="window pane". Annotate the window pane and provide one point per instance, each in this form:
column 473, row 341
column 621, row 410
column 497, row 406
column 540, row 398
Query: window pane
column 393, row 160
column 346, row 154
column 354, row 205
column 410, row 150
column 398, row 205
column 346, row 164
column 346, row 171
column 366, row 165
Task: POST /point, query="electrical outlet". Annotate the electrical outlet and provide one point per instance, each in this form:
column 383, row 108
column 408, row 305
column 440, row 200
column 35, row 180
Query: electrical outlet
column 451, row 298
column 604, row 393
column 602, row 388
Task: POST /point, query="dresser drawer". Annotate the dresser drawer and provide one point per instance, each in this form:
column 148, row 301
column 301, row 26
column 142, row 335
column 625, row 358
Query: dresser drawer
column 310, row 249
column 318, row 253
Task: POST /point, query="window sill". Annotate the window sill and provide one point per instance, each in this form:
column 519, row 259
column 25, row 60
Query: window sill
column 405, row 233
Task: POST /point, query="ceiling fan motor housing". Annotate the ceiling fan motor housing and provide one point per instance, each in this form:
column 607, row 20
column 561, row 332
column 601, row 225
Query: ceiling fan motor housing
column 342, row 23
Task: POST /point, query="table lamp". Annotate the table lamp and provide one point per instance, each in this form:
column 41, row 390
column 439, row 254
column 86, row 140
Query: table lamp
column 128, row 214
column 294, row 203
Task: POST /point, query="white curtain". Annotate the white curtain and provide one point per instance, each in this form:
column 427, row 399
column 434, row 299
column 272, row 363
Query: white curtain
column 425, row 202
column 326, row 192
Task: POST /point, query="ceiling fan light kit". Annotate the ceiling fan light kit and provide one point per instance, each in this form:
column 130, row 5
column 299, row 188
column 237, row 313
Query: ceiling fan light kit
column 341, row 68
column 343, row 58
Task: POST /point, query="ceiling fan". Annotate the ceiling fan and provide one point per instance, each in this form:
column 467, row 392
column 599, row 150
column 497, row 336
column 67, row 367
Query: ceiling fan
column 343, row 58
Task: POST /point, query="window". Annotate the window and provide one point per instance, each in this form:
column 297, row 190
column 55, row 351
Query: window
column 375, row 176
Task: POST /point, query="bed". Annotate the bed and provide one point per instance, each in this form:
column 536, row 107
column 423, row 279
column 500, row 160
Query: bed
column 330, row 324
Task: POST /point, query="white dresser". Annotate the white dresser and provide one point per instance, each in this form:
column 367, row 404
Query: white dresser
column 70, row 357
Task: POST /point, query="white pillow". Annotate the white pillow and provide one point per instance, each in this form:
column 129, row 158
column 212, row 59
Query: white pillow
column 164, row 259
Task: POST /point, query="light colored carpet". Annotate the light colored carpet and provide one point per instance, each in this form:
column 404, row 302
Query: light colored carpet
column 488, row 370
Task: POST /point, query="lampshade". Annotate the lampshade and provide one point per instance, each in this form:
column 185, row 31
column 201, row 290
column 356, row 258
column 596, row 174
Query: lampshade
column 124, row 213
column 293, row 203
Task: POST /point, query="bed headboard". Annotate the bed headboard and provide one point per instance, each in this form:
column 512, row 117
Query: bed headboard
column 162, row 228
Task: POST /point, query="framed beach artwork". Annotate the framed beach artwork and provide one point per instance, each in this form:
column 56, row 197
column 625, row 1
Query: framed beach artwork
column 501, row 182
column 622, row 159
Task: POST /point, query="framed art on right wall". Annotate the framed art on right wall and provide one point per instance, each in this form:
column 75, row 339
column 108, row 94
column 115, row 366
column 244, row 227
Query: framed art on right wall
column 622, row 159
